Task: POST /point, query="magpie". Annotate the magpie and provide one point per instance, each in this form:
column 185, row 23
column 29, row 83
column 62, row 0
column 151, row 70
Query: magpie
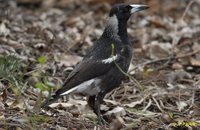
column 102, row 69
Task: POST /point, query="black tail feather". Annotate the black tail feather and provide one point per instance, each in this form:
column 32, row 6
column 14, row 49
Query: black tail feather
column 48, row 101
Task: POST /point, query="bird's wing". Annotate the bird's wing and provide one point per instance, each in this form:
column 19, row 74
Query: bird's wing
column 97, row 62
column 87, row 69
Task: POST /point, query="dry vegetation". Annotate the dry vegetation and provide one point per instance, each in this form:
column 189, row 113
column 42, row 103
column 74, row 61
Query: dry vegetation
column 41, row 41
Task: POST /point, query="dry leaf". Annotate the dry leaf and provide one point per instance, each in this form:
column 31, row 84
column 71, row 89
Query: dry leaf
column 112, row 102
column 181, row 105
column 133, row 104
column 4, row 31
column 195, row 62
column 117, row 124
column 77, row 102
column 178, row 75
column 117, row 111
column 67, row 60
column 54, row 105
column 158, row 50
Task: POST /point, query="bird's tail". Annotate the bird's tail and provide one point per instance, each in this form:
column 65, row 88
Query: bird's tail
column 49, row 101
column 52, row 99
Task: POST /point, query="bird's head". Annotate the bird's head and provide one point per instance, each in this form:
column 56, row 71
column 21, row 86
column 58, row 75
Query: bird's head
column 120, row 13
column 124, row 11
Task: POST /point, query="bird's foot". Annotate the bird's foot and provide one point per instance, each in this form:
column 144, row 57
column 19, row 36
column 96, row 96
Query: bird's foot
column 101, row 120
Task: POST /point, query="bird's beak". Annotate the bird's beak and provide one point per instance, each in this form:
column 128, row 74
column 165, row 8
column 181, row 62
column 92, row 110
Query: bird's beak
column 136, row 7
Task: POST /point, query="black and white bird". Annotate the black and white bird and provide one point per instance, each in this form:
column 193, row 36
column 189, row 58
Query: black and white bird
column 100, row 71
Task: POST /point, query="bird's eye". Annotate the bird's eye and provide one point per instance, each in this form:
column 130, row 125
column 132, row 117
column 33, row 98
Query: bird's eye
column 126, row 9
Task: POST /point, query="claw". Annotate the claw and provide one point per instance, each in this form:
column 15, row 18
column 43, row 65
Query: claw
column 102, row 121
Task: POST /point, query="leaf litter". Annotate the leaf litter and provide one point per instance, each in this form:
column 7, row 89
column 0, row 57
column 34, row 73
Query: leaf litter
column 50, row 38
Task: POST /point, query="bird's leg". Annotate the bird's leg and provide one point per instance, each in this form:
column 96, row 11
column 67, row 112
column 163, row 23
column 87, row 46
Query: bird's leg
column 98, row 100
column 94, row 103
column 91, row 102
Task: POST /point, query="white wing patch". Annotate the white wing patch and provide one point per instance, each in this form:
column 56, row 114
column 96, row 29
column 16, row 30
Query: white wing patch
column 69, row 91
column 110, row 59
column 90, row 87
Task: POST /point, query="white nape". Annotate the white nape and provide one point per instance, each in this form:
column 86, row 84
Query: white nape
column 113, row 24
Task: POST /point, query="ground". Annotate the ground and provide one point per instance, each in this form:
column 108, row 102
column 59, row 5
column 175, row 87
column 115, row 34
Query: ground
column 41, row 42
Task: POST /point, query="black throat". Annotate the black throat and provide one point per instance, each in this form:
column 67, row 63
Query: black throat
column 122, row 31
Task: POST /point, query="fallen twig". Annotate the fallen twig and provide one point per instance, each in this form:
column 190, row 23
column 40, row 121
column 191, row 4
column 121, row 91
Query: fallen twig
column 168, row 58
